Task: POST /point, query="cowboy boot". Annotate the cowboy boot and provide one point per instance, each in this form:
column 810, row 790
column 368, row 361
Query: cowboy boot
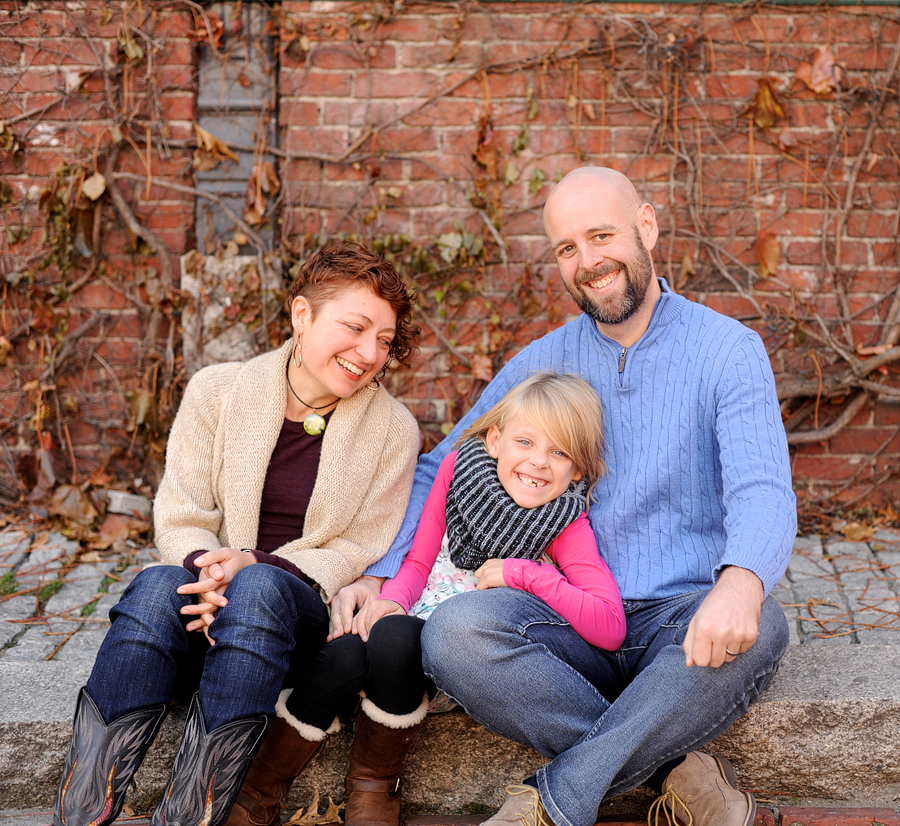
column 380, row 745
column 286, row 751
column 102, row 759
column 209, row 770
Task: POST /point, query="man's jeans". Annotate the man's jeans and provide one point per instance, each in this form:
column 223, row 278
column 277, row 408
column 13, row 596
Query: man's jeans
column 272, row 619
column 607, row 719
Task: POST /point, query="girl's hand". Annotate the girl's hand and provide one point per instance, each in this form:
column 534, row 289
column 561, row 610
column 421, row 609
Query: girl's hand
column 490, row 575
column 372, row 612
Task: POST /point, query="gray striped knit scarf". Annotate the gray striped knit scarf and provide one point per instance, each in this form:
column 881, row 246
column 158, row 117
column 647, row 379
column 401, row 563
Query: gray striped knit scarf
column 483, row 520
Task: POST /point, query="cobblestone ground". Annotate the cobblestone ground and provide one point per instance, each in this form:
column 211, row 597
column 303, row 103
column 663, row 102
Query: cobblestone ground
column 50, row 610
column 834, row 593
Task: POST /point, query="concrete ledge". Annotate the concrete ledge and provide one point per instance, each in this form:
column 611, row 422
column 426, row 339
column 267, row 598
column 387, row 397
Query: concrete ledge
column 828, row 727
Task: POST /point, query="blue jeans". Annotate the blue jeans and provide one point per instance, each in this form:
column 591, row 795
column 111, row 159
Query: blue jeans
column 607, row 719
column 273, row 620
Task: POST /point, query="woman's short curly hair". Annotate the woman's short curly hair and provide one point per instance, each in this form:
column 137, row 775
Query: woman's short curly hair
column 344, row 265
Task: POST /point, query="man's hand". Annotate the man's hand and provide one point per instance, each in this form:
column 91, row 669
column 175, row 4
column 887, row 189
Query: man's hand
column 373, row 611
column 348, row 600
column 490, row 575
column 726, row 621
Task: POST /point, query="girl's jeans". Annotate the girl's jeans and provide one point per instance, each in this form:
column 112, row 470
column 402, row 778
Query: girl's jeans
column 273, row 620
column 606, row 719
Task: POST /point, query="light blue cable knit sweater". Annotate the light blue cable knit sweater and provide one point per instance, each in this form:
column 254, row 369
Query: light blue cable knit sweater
column 698, row 463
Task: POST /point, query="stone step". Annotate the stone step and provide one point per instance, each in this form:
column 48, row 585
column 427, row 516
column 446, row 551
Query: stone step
column 827, row 728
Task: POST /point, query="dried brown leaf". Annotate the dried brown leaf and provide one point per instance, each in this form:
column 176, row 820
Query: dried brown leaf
column 94, row 186
column 786, row 140
column 687, row 271
column 312, row 816
column 823, row 74
column 769, row 250
column 485, row 153
column 71, row 502
column 482, row 367
column 857, row 532
column 765, row 107
column 210, row 150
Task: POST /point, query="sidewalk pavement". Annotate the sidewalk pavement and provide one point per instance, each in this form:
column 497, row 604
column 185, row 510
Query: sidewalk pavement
column 826, row 731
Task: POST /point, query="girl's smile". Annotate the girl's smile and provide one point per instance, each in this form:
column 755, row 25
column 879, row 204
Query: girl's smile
column 532, row 470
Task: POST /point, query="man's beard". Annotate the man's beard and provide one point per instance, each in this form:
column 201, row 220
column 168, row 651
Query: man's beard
column 618, row 307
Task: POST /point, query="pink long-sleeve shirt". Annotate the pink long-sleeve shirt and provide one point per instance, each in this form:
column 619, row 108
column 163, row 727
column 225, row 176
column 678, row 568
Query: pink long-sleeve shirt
column 581, row 590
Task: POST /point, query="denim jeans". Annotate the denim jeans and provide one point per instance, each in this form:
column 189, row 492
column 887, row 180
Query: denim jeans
column 606, row 719
column 273, row 621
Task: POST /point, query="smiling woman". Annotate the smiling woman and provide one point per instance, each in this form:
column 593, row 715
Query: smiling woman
column 286, row 477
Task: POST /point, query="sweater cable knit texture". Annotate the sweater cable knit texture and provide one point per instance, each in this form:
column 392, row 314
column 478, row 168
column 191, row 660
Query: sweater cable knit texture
column 218, row 453
column 698, row 476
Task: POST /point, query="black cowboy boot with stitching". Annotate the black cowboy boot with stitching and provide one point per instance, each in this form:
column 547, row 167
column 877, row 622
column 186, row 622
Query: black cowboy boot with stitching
column 102, row 760
column 209, row 770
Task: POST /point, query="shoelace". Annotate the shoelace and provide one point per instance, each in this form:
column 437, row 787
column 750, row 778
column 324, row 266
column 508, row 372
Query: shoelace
column 535, row 816
column 666, row 804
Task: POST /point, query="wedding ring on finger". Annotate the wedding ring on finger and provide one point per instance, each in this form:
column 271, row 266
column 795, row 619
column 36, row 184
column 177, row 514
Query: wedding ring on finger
column 733, row 653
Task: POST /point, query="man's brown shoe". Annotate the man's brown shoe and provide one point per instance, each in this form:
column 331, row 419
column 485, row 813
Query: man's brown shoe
column 701, row 792
column 523, row 807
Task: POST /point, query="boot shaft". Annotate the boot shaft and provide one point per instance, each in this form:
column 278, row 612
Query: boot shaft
column 209, row 769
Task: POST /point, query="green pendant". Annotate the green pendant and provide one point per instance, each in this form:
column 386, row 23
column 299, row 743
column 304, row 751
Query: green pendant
column 314, row 424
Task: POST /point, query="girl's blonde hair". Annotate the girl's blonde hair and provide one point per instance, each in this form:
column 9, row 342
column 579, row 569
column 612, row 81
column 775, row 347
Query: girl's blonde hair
column 562, row 406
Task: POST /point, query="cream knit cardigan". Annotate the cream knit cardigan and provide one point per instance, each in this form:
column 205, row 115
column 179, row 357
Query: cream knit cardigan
column 218, row 453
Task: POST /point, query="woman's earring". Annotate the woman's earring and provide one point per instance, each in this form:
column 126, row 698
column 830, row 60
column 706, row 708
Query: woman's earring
column 298, row 355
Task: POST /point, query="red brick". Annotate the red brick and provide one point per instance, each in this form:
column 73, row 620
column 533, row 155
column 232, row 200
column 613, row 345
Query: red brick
column 317, row 140
column 327, row 56
column 837, row 817
column 316, row 83
column 399, row 84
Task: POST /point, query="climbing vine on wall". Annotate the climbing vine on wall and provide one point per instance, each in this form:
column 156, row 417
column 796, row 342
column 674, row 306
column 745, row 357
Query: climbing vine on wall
column 767, row 139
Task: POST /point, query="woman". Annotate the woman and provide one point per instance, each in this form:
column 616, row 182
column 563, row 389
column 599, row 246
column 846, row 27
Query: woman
column 284, row 474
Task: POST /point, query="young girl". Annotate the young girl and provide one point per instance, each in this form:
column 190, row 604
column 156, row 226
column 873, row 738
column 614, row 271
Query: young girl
column 509, row 500
column 507, row 509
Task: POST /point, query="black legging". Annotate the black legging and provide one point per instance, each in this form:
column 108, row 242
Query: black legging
column 388, row 668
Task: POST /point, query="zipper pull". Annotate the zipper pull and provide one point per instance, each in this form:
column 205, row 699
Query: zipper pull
column 622, row 359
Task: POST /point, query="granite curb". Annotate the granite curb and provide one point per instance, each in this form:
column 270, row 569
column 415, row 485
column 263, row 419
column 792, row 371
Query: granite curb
column 828, row 727
column 830, row 815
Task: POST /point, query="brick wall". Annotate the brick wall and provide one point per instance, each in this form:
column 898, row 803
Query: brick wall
column 79, row 81
column 433, row 132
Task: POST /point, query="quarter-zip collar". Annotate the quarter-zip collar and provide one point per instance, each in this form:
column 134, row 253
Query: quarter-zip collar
column 666, row 310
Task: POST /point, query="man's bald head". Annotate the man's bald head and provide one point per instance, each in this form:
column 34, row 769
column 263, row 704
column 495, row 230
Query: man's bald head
column 590, row 183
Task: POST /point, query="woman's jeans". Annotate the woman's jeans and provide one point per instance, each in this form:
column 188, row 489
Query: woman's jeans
column 388, row 668
column 607, row 719
column 273, row 621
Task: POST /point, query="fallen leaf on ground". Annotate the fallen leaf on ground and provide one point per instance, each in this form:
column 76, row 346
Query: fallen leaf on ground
column 312, row 816
column 116, row 528
column 857, row 532
column 71, row 502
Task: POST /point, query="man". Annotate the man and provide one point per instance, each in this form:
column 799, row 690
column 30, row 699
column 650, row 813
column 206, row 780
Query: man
column 696, row 519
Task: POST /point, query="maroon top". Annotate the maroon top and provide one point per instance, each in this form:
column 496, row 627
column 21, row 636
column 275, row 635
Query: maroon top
column 288, row 488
